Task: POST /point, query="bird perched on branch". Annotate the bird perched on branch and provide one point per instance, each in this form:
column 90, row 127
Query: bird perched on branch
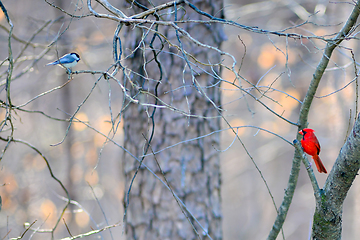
column 311, row 146
column 67, row 61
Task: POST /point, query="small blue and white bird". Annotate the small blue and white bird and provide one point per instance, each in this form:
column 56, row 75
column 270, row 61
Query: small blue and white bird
column 68, row 60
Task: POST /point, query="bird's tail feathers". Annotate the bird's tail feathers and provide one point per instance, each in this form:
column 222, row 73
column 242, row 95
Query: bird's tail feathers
column 319, row 165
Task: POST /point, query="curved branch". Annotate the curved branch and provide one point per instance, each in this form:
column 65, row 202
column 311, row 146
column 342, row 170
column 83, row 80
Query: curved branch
column 111, row 8
column 51, row 173
column 314, row 183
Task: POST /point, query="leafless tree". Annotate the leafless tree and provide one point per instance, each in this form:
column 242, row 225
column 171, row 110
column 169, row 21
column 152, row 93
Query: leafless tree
column 161, row 79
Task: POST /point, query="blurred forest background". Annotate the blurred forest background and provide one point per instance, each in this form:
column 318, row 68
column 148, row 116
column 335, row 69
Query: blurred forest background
column 91, row 168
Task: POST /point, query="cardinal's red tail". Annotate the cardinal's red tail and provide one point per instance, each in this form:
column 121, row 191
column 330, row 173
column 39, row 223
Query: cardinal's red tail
column 319, row 165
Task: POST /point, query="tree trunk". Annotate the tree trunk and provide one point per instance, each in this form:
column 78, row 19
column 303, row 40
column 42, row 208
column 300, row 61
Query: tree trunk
column 328, row 213
column 192, row 167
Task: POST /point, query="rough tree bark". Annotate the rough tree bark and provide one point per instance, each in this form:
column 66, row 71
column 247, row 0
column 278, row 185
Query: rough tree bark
column 328, row 213
column 192, row 167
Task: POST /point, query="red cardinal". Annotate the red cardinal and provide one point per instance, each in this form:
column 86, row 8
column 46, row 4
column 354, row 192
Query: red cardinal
column 311, row 146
